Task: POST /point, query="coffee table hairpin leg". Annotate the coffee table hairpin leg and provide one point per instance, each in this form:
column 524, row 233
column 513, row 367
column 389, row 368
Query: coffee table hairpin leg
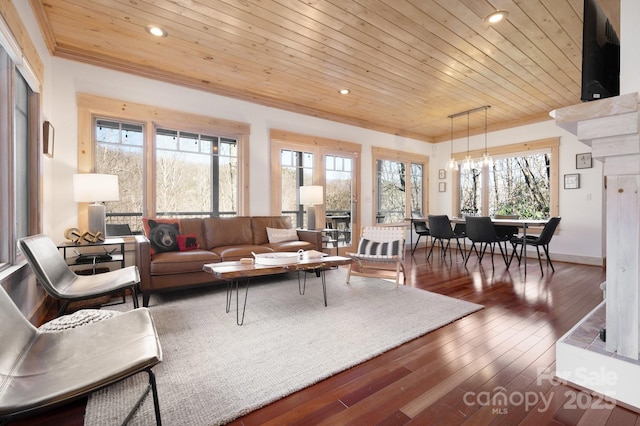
column 321, row 269
column 230, row 285
column 301, row 289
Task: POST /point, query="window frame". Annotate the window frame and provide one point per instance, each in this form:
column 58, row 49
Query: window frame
column 408, row 158
column 549, row 144
column 9, row 252
column 151, row 117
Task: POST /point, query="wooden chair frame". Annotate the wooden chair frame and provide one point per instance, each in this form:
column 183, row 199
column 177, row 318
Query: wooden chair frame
column 370, row 264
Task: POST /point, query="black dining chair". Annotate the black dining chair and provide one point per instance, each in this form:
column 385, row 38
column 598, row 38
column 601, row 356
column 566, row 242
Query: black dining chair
column 440, row 230
column 506, row 232
column 480, row 229
column 537, row 241
column 421, row 228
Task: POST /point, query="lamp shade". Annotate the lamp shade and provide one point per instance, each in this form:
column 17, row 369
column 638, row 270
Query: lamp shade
column 311, row 195
column 94, row 187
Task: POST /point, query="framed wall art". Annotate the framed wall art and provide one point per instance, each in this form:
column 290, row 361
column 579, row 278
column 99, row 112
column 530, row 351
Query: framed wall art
column 48, row 133
column 442, row 174
column 572, row 181
column 442, row 187
column 583, row 161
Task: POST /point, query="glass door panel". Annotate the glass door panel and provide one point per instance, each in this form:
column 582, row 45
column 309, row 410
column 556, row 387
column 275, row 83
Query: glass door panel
column 297, row 171
column 392, row 198
column 340, row 201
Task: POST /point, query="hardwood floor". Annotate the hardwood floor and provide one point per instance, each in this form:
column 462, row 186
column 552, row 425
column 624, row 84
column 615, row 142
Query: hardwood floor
column 447, row 376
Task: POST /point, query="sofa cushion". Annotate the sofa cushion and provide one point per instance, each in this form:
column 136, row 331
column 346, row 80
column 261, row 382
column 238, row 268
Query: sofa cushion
column 259, row 225
column 162, row 233
column 227, row 231
column 177, row 262
column 277, row 235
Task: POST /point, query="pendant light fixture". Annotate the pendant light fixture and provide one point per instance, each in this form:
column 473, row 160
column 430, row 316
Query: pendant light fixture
column 486, row 159
column 452, row 164
column 468, row 164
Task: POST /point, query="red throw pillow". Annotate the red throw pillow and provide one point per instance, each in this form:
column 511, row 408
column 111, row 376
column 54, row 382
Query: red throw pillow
column 188, row 242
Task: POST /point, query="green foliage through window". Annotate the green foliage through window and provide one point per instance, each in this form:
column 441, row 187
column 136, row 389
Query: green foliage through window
column 517, row 185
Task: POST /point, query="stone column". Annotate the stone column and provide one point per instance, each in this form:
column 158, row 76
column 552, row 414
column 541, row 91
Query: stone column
column 610, row 126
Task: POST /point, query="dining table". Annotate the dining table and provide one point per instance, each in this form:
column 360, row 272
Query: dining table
column 523, row 224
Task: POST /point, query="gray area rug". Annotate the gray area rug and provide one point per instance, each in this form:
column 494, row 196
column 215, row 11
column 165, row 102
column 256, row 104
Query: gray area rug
column 215, row 371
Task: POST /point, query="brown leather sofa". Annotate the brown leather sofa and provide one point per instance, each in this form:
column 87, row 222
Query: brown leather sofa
column 219, row 240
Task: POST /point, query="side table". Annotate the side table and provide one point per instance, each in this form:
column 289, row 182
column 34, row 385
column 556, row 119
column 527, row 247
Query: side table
column 107, row 251
column 111, row 250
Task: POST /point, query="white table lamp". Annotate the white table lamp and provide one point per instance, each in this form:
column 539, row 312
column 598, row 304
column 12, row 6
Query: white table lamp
column 311, row 195
column 96, row 188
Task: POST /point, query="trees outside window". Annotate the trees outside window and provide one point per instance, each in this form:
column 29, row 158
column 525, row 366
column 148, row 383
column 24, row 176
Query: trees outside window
column 169, row 163
column 516, row 182
column 119, row 151
column 517, row 185
column 196, row 174
column 297, row 171
column 339, row 183
column 521, row 185
column 399, row 185
column 191, row 174
column 311, row 160
column 392, row 190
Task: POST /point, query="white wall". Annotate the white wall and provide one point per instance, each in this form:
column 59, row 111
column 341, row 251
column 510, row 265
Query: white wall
column 629, row 52
column 581, row 228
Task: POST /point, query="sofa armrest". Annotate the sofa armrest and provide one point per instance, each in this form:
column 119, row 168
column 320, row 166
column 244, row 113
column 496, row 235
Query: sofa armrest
column 143, row 261
column 312, row 236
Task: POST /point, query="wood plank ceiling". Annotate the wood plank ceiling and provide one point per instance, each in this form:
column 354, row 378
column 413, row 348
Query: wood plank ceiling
column 408, row 63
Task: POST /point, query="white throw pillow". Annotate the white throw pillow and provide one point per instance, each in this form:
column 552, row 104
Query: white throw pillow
column 278, row 235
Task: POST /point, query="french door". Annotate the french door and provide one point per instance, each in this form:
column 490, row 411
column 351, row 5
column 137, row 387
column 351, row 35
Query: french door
column 299, row 160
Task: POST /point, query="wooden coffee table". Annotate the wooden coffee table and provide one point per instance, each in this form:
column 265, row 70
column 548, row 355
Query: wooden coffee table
column 233, row 272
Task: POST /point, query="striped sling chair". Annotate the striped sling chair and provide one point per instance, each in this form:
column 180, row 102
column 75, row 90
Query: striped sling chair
column 380, row 248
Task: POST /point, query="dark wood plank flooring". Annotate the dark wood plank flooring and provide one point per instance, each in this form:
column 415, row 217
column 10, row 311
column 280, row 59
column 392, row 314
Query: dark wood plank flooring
column 446, row 376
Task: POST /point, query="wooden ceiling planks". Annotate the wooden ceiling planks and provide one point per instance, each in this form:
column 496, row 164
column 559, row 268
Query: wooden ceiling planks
column 409, row 63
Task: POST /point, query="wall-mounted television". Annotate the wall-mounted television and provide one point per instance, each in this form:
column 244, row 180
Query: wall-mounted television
column 600, row 55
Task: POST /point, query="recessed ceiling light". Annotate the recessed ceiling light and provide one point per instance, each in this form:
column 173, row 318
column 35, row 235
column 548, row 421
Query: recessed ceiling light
column 496, row 16
column 345, row 91
column 156, row 31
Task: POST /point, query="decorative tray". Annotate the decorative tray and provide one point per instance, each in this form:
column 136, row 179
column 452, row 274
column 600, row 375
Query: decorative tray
column 277, row 258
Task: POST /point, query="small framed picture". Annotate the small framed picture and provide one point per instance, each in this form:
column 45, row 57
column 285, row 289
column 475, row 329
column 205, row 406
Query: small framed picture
column 442, row 174
column 48, row 133
column 572, row 181
column 442, row 187
column 583, row 161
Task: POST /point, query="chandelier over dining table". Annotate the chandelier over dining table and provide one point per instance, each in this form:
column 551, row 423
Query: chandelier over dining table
column 452, row 164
